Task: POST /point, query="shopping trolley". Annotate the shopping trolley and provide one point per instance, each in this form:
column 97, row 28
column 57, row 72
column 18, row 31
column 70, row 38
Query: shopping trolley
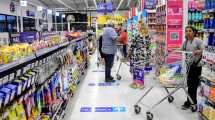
column 122, row 61
column 185, row 62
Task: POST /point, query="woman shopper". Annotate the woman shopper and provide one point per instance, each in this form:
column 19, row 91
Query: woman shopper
column 194, row 45
column 124, row 40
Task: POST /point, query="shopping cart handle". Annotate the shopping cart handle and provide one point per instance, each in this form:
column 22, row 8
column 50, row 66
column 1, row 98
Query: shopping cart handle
column 180, row 51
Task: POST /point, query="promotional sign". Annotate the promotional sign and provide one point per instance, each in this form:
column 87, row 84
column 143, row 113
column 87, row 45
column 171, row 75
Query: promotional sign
column 30, row 13
column 28, row 37
column 150, row 4
column 138, row 75
column 105, row 7
column 174, row 28
column 103, row 19
column 174, row 23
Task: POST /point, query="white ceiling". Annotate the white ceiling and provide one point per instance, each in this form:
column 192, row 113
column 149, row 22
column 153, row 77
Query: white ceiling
column 79, row 5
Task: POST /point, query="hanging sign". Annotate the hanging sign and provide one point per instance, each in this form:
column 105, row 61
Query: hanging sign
column 23, row 3
column 150, row 4
column 105, row 7
column 103, row 19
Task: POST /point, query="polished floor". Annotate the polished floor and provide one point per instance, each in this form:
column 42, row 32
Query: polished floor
column 93, row 93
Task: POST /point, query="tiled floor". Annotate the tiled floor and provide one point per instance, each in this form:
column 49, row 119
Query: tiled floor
column 121, row 95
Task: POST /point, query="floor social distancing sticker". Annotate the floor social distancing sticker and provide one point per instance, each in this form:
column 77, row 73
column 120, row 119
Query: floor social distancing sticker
column 103, row 109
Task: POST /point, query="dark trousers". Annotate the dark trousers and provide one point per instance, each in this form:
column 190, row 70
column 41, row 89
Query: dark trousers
column 193, row 82
column 109, row 59
column 125, row 50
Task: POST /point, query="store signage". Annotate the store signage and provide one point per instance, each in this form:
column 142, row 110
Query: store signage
column 105, row 7
column 138, row 74
column 174, row 23
column 103, row 19
column 12, row 7
column 174, row 27
column 30, row 13
column 23, row 3
column 28, row 37
column 150, row 4
column 49, row 12
column 39, row 8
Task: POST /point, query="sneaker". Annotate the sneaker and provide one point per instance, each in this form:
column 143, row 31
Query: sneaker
column 110, row 81
column 185, row 106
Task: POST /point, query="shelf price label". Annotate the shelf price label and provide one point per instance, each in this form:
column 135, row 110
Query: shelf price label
column 18, row 73
column 5, row 79
column 11, row 76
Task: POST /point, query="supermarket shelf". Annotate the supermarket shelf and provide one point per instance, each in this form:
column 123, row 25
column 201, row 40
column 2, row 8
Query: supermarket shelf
column 205, row 79
column 209, row 10
column 193, row 10
column 197, row 21
column 209, row 30
column 16, row 63
column 151, row 11
column 58, row 108
column 46, row 50
column 38, row 53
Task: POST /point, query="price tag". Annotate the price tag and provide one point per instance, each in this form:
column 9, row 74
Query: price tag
column 11, row 76
column 40, row 62
column 29, row 67
column 25, row 69
column 18, row 73
column 5, row 79
column 36, row 64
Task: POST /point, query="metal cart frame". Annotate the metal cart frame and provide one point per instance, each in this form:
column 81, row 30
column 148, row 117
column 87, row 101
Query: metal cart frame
column 182, row 85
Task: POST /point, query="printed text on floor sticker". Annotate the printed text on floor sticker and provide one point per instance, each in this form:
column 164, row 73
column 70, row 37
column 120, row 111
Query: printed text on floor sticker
column 103, row 84
column 103, row 109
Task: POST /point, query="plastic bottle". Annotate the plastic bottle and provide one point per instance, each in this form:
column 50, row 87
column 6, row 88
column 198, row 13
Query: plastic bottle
column 193, row 16
column 205, row 23
column 213, row 23
column 210, row 39
column 206, row 4
column 189, row 16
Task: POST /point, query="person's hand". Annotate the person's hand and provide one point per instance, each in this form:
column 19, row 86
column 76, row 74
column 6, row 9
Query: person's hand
column 197, row 52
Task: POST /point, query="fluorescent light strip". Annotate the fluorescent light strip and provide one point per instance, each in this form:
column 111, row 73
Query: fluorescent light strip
column 119, row 6
column 95, row 3
column 63, row 3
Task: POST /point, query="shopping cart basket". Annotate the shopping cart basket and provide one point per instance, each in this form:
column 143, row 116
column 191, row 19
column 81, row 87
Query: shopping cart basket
column 185, row 63
column 122, row 60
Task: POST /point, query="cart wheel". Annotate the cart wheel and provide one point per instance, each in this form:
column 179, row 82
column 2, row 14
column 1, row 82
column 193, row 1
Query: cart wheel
column 118, row 77
column 137, row 109
column 193, row 108
column 149, row 116
column 170, row 99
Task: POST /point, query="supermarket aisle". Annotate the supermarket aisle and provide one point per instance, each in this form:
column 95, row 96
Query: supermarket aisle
column 122, row 96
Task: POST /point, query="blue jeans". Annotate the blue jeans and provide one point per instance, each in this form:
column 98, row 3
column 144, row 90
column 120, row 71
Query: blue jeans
column 109, row 59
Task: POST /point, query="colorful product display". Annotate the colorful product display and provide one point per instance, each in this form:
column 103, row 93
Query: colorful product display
column 11, row 53
column 38, row 92
column 206, row 104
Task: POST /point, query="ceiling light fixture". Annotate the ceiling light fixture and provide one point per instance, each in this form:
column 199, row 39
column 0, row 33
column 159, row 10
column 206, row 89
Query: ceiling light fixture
column 63, row 3
column 119, row 6
column 95, row 3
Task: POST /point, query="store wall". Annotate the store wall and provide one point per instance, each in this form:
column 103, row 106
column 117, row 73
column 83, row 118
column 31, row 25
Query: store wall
column 21, row 11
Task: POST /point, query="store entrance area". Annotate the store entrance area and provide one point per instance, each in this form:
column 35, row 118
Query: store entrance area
column 96, row 100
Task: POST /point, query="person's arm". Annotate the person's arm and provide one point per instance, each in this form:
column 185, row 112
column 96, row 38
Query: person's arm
column 114, row 35
column 200, row 48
